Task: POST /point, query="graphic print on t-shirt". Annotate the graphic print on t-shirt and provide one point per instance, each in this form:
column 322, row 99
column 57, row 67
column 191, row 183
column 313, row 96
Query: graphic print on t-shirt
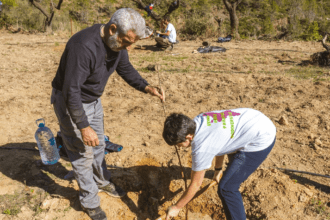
column 221, row 117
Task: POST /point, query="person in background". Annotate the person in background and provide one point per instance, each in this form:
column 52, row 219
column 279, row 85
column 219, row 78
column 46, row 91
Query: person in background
column 167, row 39
column 246, row 135
column 89, row 58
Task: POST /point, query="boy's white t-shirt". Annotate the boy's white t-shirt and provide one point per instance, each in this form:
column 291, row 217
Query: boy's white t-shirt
column 172, row 36
column 227, row 131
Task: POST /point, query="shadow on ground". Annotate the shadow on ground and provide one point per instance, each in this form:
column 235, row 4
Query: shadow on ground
column 25, row 166
column 153, row 184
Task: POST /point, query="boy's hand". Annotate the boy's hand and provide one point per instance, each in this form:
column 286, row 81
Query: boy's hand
column 155, row 91
column 217, row 175
column 158, row 32
column 172, row 211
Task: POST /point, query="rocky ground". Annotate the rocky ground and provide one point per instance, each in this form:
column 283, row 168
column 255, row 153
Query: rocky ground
column 256, row 74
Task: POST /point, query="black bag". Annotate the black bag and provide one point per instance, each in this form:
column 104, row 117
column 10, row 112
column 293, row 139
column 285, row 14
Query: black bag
column 210, row 49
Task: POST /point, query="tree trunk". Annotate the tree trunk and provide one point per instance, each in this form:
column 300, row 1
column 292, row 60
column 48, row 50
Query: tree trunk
column 231, row 8
column 49, row 17
column 324, row 44
column 220, row 22
column 174, row 5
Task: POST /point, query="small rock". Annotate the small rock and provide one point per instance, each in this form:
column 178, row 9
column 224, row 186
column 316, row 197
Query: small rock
column 302, row 198
column 206, row 44
column 46, row 204
column 308, row 192
column 318, row 142
column 311, row 136
column 283, row 120
column 274, row 170
column 147, row 144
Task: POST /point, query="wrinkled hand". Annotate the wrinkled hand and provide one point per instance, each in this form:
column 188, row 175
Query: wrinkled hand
column 217, row 175
column 172, row 211
column 89, row 137
column 155, row 91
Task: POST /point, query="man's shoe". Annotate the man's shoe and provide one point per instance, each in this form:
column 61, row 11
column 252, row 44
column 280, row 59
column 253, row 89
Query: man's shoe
column 95, row 214
column 113, row 190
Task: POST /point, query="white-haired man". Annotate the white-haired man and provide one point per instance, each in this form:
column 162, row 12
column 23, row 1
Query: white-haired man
column 90, row 57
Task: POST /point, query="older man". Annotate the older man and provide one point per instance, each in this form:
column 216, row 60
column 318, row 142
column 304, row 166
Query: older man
column 90, row 57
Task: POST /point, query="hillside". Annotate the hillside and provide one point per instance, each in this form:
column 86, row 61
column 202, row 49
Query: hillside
column 279, row 19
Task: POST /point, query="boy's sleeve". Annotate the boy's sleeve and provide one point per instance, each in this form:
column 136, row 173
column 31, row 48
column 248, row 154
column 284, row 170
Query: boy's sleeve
column 201, row 161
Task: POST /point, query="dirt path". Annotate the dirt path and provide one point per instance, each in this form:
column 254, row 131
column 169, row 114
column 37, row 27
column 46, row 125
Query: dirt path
column 255, row 74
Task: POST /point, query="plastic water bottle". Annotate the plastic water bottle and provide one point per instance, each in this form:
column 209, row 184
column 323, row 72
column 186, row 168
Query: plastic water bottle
column 46, row 144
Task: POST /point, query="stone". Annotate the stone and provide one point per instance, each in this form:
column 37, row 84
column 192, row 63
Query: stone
column 302, row 198
column 308, row 192
column 147, row 144
column 206, row 44
column 155, row 67
column 311, row 136
column 318, row 142
column 283, row 120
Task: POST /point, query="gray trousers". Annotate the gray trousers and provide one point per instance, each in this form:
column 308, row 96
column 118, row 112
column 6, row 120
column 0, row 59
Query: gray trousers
column 88, row 162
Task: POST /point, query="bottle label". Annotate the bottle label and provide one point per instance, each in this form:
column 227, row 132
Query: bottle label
column 51, row 141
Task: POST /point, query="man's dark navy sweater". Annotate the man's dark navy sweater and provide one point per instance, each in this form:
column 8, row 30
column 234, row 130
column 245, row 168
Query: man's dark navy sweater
column 85, row 67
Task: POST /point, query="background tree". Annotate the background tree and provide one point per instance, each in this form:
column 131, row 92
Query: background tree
column 49, row 16
column 231, row 6
column 172, row 7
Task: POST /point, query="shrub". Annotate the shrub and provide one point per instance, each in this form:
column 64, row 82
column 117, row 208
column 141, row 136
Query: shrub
column 195, row 26
column 313, row 32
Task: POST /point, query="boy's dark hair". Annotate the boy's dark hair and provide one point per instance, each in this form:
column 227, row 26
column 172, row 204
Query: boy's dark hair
column 177, row 127
column 167, row 18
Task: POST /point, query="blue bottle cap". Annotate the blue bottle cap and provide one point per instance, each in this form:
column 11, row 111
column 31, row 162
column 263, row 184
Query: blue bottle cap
column 41, row 125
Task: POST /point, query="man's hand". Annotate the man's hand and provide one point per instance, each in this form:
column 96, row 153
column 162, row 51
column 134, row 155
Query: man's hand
column 172, row 211
column 217, row 175
column 89, row 137
column 155, row 91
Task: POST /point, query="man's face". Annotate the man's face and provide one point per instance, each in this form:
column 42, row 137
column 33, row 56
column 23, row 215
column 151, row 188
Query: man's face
column 119, row 42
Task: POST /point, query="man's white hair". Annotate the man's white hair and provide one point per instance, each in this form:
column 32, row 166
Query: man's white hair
column 128, row 19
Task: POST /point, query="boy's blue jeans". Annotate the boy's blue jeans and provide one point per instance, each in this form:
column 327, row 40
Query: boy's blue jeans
column 241, row 166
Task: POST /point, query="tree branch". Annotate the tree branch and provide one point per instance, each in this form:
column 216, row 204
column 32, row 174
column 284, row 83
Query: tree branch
column 174, row 5
column 58, row 7
column 141, row 5
column 228, row 5
column 38, row 6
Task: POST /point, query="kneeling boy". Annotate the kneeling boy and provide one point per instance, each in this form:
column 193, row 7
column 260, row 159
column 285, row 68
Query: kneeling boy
column 246, row 135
